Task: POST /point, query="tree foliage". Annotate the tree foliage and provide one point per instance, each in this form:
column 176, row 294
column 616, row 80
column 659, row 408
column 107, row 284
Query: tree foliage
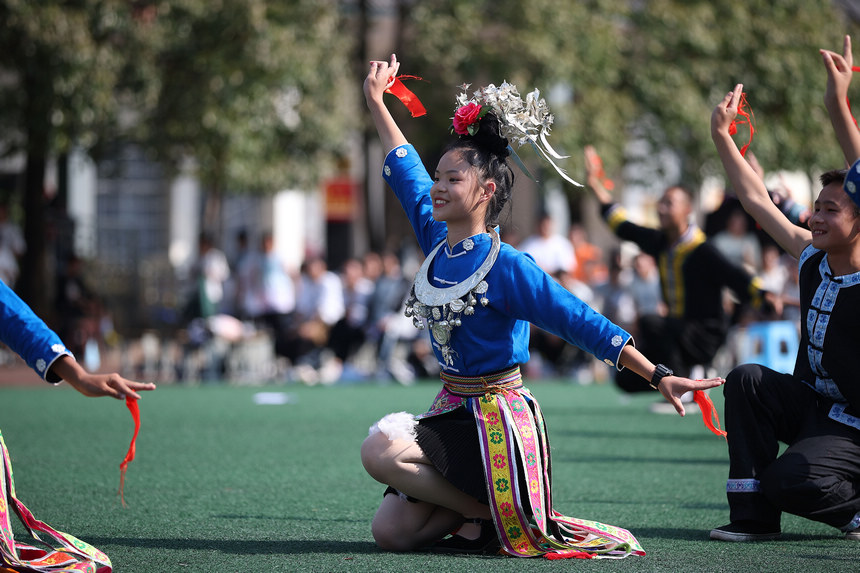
column 569, row 52
column 262, row 93
column 253, row 90
column 688, row 55
column 61, row 63
column 612, row 71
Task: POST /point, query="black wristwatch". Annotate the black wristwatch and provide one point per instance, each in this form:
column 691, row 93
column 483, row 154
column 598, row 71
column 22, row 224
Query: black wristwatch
column 659, row 373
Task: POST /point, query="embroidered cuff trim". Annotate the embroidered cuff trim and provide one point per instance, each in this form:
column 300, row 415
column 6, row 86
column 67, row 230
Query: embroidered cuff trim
column 853, row 524
column 743, row 486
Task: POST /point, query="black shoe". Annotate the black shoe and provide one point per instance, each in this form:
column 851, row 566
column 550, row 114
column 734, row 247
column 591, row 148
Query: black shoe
column 487, row 543
column 746, row 531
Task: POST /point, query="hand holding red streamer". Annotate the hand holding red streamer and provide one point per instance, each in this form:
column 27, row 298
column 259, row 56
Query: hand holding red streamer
column 840, row 68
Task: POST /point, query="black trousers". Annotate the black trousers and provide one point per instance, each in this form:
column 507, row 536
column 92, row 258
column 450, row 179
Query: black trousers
column 816, row 477
column 678, row 343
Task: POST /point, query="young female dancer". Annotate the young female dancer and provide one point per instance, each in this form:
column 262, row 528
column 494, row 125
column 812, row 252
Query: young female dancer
column 479, row 457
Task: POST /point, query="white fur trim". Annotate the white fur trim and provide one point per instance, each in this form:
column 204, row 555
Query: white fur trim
column 397, row 426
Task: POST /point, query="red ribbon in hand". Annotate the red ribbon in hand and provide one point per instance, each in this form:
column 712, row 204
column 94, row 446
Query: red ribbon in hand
column 135, row 415
column 750, row 120
column 409, row 99
column 709, row 412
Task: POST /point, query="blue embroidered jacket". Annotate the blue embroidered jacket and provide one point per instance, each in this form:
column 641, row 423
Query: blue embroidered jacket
column 496, row 337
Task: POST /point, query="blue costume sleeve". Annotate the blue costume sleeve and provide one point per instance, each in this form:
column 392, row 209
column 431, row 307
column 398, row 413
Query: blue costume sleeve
column 405, row 174
column 532, row 295
column 28, row 335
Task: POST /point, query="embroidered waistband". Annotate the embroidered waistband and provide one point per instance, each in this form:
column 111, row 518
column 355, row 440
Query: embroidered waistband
column 477, row 385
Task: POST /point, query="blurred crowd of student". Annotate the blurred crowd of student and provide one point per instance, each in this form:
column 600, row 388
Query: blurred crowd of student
column 325, row 325
column 346, row 324
column 322, row 325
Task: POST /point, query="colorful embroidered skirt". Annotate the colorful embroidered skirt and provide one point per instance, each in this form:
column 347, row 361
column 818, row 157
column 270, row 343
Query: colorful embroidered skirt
column 514, row 455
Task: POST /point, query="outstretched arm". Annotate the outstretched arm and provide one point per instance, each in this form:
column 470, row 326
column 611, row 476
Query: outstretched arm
column 748, row 185
column 836, row 99
column 593, row 168
column 112, row 385
column 377, row 81
column 672, row 387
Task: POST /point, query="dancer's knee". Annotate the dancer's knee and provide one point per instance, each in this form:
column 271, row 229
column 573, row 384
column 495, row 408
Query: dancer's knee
column 788, row 485
column 390, row 536
column 741, row 379
column 373, row 456
column 376, row 452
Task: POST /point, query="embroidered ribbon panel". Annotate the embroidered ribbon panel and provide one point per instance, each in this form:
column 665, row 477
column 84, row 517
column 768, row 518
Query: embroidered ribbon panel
column 509, row 431
column 72, row 554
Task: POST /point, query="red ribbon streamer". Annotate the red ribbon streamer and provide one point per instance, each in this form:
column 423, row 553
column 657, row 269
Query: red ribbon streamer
column 709, row 412
column 135, row 415
column 409, row 99
column 750, row 120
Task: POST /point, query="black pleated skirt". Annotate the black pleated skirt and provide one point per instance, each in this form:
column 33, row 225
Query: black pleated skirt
column 450, row 441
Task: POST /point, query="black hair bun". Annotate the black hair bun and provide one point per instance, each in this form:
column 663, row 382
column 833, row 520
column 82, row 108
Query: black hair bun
column 489, row 136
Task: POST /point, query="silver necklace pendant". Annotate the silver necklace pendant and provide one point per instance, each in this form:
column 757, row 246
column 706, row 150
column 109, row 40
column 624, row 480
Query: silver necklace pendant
column 442, row 307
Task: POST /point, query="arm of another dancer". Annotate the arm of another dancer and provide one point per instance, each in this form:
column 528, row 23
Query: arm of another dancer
column 672, row 387
column 649, row 240
column 375, row 84
column 839, row 72
column 749, row 187
column 93, row 385
column 41, row 348
column 593, row 168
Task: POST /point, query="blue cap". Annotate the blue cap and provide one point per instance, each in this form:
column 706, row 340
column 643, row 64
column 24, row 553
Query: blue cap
column 851, row 185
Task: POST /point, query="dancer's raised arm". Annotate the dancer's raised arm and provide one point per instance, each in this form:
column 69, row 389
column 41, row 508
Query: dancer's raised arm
column 378, row 79
column 839, row 72
column 748, row 185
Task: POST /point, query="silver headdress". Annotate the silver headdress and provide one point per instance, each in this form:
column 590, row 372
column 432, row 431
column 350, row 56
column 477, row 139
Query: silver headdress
column 522, row 122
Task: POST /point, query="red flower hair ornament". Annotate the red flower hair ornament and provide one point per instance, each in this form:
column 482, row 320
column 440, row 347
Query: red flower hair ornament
column 467, row 118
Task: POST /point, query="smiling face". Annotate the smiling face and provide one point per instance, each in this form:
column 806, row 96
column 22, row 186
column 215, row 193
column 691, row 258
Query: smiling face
column 457, row 195
column 834, row 223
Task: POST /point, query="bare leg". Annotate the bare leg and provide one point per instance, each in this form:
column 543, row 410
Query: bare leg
column 401, row 525
column 403, row 465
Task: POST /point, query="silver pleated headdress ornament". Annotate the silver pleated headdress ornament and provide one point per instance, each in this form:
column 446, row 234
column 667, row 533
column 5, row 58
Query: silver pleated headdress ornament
column 522, row 122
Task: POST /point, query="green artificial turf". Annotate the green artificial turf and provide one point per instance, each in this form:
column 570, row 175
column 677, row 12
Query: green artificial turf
column 223, row 484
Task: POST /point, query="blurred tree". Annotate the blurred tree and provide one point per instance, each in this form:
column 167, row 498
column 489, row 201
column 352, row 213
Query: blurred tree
column 61, row 63
column 257, row 92
column 612, row 71
column 683, row 56
column 571, row 51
